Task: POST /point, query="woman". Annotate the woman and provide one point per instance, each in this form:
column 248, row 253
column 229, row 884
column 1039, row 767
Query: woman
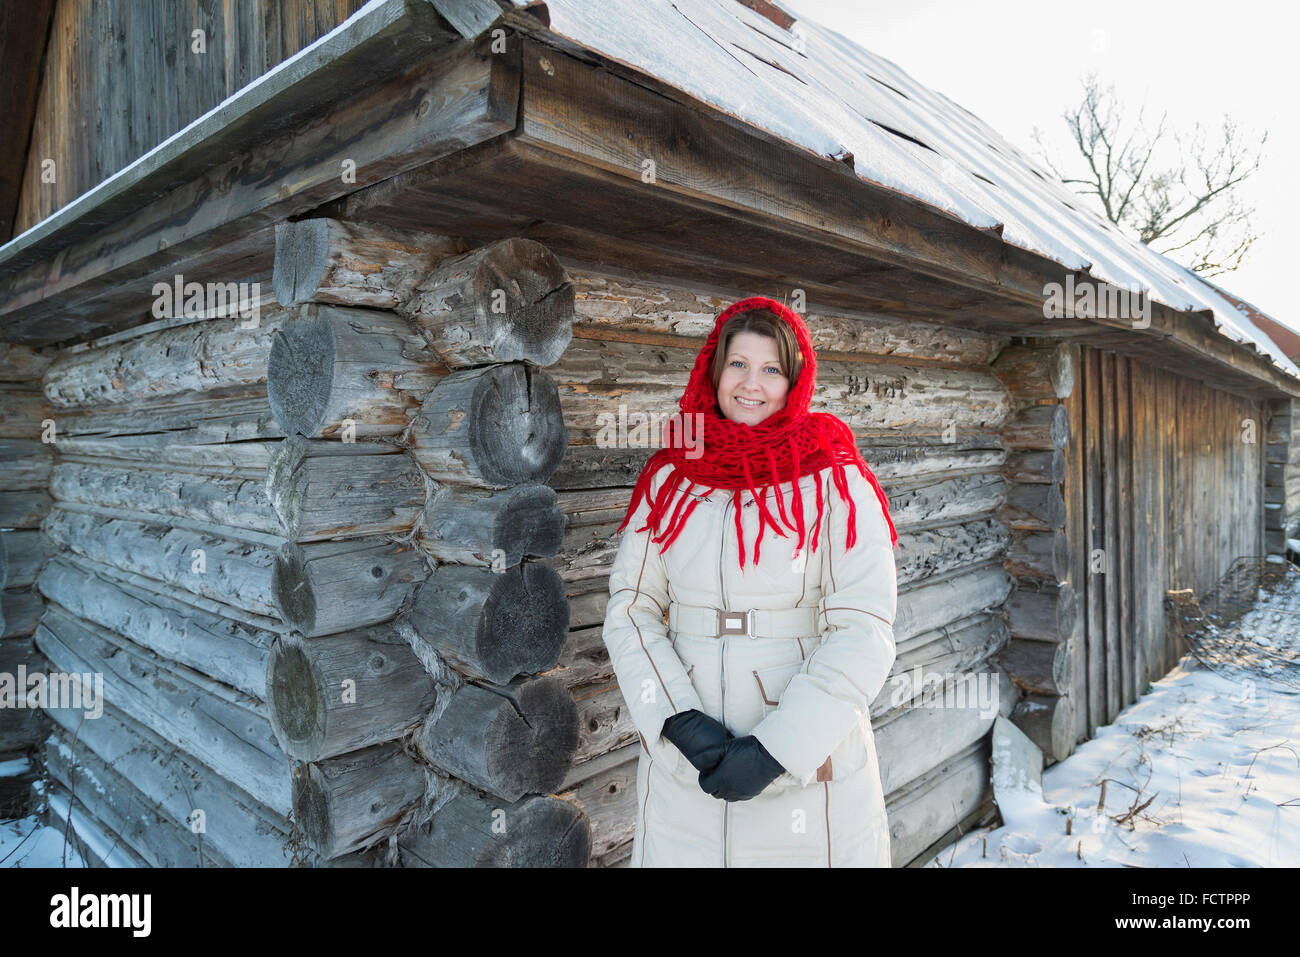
column 749, row 667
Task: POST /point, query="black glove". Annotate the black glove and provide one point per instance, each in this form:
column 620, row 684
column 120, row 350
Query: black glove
column 745, row 770
column 699, row 737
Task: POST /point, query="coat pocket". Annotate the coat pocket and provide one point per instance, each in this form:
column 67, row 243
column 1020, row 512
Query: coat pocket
column 771, row 683
column 665, row 753
column 852, row 755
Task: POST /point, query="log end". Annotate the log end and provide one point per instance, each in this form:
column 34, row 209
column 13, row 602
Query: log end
column 519, row 425
column 294, row 706
column 300, row 375
column 508, row 301
column 301, row 257
column 525, row 622
column 311, row 804
column 292, row 590
column 537, row 831
column 531, row 749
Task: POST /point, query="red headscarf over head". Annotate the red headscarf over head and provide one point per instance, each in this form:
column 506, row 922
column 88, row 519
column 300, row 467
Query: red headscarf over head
column 783, row 447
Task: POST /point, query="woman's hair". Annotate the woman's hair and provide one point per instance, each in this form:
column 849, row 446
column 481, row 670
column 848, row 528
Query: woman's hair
column 765, row 323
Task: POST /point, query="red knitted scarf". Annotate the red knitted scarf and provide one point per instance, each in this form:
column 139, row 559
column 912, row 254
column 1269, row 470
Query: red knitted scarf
column 783, row 447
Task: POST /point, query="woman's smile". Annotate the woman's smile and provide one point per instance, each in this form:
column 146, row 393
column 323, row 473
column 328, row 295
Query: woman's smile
column 752, row 386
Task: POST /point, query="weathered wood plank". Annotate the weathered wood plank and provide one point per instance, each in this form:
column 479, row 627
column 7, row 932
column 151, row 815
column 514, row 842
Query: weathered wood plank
column 226, row 730
column 24, row 464
column 130, row 816
column 194, row 358
column 24, row 509
column 233, row 652
column 200, row 559
column 22, row 725
column 234, row 825
column 1096, row 578
column 20, row 610
column 316, row 491
column 631, row 309
column 166, row 493
column 611, row 390
column 925, row 809
column 914, row 739
column 23, row 413
column 22, row 552
column 1123, row 543
column 1110, row 533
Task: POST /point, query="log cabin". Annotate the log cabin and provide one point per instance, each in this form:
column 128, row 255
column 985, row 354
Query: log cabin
column 318, row 351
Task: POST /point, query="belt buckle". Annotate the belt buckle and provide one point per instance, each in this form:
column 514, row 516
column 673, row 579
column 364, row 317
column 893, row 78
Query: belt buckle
column 736, row 623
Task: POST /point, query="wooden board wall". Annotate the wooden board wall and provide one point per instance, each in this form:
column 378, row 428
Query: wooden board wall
column 120, row 77
column 1165, row 492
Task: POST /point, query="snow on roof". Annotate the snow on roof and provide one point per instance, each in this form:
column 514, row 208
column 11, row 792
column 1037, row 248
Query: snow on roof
column 819, row 91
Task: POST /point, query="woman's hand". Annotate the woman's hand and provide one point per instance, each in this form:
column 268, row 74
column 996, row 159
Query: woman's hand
column 744, row 771
column 702, row 739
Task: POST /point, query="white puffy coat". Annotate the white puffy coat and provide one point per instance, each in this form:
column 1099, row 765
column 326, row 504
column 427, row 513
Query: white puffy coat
column 805, row 698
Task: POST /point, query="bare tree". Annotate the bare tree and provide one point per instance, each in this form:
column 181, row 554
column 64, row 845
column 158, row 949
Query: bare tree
column 1189, row 210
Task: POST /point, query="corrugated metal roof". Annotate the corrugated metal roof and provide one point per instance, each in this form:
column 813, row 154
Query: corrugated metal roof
column 819, row 91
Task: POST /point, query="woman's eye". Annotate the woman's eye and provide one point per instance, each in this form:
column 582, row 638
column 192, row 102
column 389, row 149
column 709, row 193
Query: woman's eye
column 737, row 362
column 775, row 369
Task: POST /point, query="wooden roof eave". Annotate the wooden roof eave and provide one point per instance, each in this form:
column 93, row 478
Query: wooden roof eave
column 191, row 208
column 204, row 202
column 569, row 175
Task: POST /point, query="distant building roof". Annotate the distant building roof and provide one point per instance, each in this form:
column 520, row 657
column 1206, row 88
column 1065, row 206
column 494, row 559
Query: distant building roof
column 819, row 91
column 1285, row 337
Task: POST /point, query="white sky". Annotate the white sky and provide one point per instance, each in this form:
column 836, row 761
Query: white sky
column 1016, row 63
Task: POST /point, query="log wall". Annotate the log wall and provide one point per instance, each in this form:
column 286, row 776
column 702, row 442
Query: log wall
column 155, row 574
column 1042, row 611
column 24, row 501
column 229, row 566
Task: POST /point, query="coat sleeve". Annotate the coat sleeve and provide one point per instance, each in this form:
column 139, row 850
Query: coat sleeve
column 649, row 672
column 843, row 675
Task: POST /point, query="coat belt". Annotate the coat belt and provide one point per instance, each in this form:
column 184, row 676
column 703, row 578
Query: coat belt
column 712, row 622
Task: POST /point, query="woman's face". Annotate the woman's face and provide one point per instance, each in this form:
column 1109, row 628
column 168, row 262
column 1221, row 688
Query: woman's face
column 751, row 386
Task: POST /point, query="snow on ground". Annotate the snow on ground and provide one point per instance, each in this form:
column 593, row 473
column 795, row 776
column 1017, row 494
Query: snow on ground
column 1202, row 771
column 29, row 843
